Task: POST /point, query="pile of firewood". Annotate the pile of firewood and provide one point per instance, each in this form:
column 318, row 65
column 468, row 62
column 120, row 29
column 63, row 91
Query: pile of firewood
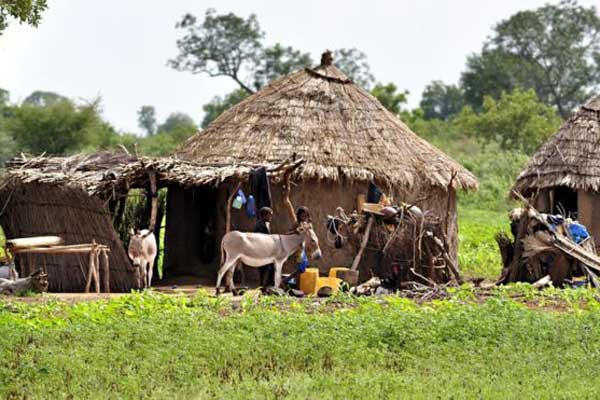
column 407, row 249
column 544, row 250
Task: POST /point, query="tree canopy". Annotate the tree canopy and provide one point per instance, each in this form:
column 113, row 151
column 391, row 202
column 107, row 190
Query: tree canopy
column 517, row 121
column 23, row 11
column 389, row 96
column 232, row 46
column 147, row 119
column 441, row 101
column 554, row 49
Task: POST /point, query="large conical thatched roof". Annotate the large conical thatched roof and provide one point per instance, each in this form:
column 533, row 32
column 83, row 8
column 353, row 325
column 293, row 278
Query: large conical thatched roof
column 571, row 157
column 321, row 116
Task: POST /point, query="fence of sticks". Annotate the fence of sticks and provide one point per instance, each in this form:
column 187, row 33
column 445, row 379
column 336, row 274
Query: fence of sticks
column 407, row 250
column 546, row 249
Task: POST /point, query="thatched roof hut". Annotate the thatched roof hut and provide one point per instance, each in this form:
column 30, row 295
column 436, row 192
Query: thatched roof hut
column 346, row 137
column 564, row 173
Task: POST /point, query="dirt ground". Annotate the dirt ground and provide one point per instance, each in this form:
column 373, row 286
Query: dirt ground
column 187, row 285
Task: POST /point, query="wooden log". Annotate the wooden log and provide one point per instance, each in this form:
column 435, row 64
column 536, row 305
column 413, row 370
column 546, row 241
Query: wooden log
column 39, row 241
column 363, row 244
column 106, row 271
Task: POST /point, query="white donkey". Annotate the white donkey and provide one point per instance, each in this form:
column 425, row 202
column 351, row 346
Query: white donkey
column 142, row 251
column 259, row 249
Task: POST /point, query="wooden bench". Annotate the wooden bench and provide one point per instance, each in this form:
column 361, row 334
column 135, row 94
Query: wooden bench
column 97, row 257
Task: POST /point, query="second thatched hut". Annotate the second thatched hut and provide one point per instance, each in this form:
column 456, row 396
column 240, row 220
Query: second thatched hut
column 346, row 138
column 563, row 176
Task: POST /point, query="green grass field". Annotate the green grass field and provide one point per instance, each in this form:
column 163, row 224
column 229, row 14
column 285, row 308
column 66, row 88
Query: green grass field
column 151, row 346
column 478, row 254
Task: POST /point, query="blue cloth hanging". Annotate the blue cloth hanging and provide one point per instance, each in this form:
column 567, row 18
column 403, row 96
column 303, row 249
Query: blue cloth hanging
column 251, row 207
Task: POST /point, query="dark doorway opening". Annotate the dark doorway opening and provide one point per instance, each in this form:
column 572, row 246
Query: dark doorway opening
column 190, row 235
column 565, row 202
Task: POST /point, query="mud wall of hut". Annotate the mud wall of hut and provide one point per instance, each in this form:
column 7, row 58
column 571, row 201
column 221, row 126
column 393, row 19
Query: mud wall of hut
column 588, row 212
column 186, row 225
column 44, row 209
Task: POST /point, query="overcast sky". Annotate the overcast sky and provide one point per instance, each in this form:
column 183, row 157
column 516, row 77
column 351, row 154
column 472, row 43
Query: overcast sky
column 118, row 49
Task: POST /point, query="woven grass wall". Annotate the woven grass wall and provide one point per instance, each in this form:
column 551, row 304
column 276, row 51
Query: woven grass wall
column 43, row 209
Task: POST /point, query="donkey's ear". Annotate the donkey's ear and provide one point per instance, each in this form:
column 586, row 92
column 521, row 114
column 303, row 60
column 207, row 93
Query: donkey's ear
column 131, row 232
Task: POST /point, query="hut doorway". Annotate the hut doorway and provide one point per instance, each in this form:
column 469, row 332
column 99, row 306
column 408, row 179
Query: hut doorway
column 563, row 201
column 190, row 235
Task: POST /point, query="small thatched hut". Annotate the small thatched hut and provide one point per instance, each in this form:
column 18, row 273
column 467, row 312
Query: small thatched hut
column 81, row 198
column 346, row 137
column 63, row 197
column 564, row 174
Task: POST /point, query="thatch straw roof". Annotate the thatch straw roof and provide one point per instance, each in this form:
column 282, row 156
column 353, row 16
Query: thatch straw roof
column 104, row 173
column 571, row 157
column 341, row 131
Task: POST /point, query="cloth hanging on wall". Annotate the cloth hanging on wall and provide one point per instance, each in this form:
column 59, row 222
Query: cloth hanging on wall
column 259, row 186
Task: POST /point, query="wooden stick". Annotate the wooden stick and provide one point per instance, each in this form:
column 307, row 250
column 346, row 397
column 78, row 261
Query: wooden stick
column 229, row 203
column 88, row 281
column 449, row 262
column 97, row 270
column 106, row 271
column 363, row 244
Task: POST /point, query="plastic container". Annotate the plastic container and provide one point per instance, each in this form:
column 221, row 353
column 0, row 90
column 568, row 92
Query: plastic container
column 308, row 280
column 333, row 283
column 333, row 271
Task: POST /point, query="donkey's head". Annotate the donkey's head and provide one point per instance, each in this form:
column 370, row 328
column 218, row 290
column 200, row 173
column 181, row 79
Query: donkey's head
column 310, row 240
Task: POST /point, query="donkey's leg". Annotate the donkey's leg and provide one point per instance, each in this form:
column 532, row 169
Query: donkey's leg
column 227, row 265
column 149, row 274
column 278, row 268
column 229, row 277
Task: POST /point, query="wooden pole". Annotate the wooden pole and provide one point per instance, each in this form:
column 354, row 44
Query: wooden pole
column 106, row 271
column 229, row 203
column 154, row 194
column 88, row 281
column 97, row 270
column 363, row 243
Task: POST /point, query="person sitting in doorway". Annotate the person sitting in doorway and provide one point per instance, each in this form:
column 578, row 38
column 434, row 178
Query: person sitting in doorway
column 263, row 225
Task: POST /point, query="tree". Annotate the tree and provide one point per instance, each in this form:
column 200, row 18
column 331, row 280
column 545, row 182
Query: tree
column 24, row 11
column 277, row 61
column 219, row 104
column 389, row 96
column 147, row 119
column 41, row 98
column 441, row 101
column 59, row 128
column 176, row 120
column 220, row 45
column 554, row 49
column 517, row 121
column 179, row 126
column 353, row 63
column 4, row 97
column 232, row 46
